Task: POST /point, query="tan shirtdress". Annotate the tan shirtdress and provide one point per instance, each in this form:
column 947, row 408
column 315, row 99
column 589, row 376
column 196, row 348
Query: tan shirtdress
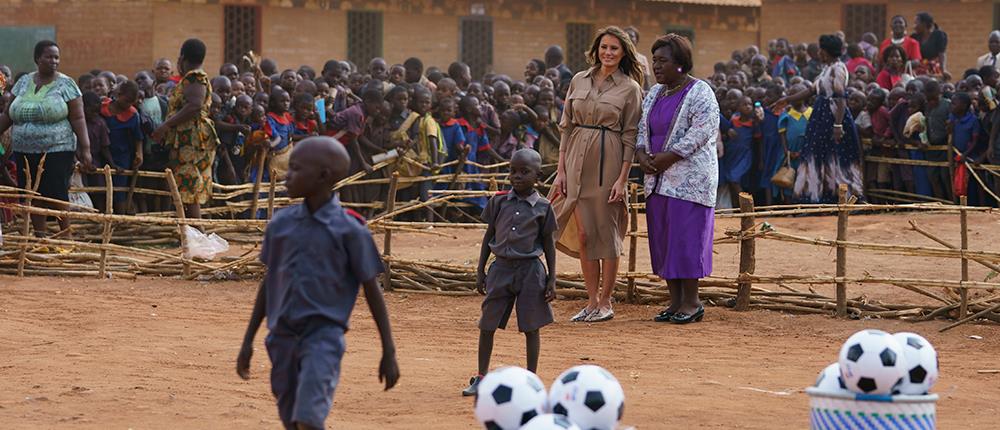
column 595, row 116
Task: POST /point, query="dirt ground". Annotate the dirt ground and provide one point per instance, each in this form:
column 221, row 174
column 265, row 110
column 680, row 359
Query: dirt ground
column 158, row 353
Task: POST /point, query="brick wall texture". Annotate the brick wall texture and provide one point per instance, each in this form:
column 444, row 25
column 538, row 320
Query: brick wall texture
column 967, row 22
column 126, row 36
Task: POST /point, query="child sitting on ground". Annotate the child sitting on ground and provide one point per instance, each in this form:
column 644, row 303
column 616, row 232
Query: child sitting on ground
column 520, row 227
column 308, row 315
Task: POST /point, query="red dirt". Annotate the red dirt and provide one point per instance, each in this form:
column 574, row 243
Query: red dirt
column 159, row 353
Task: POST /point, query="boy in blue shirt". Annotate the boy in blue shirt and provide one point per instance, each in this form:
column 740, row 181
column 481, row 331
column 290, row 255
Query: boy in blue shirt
column 317, row 254
column 520, row 230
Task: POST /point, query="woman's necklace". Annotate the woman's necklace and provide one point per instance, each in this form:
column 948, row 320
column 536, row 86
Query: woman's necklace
column 670, row 90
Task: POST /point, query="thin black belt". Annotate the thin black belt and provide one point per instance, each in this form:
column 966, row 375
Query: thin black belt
column 600, row 175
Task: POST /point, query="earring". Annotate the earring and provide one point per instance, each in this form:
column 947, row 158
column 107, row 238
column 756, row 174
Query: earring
column 680, row 70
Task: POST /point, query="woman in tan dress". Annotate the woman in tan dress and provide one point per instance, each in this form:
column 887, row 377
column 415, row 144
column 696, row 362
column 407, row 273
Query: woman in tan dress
column 599, row 125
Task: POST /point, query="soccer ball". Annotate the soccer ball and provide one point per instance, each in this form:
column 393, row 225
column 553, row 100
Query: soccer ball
column 550, row 422
column 921, row 364
column 508, row 398
column 589, row 396
column 872, row 362
column 829, row 380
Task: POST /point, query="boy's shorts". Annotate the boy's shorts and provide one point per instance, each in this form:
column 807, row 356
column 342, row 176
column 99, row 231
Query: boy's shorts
column 305, row 369
column 520, row 282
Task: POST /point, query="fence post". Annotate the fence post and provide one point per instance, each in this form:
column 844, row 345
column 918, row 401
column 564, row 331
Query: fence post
column 963, row 309
column 26, row 225
column 748, row 251
column 179, row 207
column 108, row 209
column 390, row 205
column 270, row 196
column 841, row 250
column 633, row 242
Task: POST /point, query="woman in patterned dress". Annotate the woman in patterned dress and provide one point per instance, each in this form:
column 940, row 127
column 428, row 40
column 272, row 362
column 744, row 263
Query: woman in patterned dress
column 676, row 150
column 188, row 131
column 831, row 154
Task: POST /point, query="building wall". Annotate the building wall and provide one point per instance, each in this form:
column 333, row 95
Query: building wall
column 175, row 22
column 293, row 37
column 295, row 32
column 967, row 22
column 85, row 42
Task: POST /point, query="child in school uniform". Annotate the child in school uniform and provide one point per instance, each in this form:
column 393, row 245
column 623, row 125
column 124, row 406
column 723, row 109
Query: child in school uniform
column 966, row 130
column 520, row 231
column 318, row 254
column 772, row 154
column 304, row 109
column 738, row 155
column 348, row 126
column 477, row 141
column 124, row 135
column 792, row 127
column 428, row 143
column 452, row 132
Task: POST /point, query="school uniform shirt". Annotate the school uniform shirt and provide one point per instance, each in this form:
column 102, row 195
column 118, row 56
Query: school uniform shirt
column 351, row 121
column 738, row 157
column 316, row 263
column 785, row 69
column 880, row 122
column 519, row 223
column 305, row 128
column 989, row 59
column 123, row 132
column 453, row 135
column 477, row 141
column 280, row 126
column 966, row 127
column 427, row 127
column 793, row 123
column 773, row 155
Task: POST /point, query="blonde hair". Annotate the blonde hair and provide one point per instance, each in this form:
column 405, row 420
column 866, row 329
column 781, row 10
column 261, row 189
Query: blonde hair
column 629, row 63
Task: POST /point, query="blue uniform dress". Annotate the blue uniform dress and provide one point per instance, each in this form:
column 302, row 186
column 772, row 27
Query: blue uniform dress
column 123, row 131
column 315, row 265
column 793, row 123
column 277, row 126
column 738, row 154
column 453, row 134
column 773, row 153
column 965, row 130
column 478, row 143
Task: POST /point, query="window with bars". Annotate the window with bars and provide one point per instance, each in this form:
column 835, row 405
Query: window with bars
column 864, row 18
column 996, row 15
column 242, row 31
column 364, row 36
column 578, row 39
column 476, row 44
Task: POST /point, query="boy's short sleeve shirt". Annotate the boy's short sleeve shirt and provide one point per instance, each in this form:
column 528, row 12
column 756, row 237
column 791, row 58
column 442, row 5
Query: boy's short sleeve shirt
column 519, row 224
column 316, row 263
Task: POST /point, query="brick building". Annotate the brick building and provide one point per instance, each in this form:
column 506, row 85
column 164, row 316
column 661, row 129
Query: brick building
column 967, row 22
column 502, row 35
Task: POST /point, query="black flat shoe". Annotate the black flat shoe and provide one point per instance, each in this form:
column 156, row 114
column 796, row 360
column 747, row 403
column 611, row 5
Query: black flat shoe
column 682, row 318
column 664, row 316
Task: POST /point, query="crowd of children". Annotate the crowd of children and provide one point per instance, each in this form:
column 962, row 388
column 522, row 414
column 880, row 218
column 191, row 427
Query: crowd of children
column 433, row 118
column 908, row 124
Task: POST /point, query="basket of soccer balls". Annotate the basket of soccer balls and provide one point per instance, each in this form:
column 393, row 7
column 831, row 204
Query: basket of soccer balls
column 880, row 380
column 582, row 397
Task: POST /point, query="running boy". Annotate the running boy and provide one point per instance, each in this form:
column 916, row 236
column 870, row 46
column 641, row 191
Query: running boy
column 520, row 228
column 311, row 286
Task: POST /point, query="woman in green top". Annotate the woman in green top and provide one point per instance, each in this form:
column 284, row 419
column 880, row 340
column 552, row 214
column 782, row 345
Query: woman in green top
column 46, row 120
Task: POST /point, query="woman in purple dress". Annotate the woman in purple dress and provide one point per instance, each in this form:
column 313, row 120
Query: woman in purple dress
column 676, row 149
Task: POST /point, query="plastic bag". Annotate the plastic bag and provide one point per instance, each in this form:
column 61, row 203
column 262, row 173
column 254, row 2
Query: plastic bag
column 203, row 246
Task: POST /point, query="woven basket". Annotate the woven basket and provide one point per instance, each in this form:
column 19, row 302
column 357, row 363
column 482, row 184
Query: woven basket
column 836, row 411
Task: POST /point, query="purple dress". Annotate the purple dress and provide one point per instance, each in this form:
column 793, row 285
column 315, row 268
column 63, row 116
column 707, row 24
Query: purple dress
column 684, row 251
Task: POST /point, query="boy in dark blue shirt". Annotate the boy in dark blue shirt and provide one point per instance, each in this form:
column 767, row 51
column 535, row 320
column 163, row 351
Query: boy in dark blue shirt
column 317, row 254
column 520, row 228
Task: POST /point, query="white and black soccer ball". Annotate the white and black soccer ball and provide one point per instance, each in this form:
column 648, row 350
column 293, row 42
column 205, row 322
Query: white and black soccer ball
column 830, row 381
column 589, row 396
column 921, row 364
column 872, row 362
column 508, row 398
column 550, row 422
